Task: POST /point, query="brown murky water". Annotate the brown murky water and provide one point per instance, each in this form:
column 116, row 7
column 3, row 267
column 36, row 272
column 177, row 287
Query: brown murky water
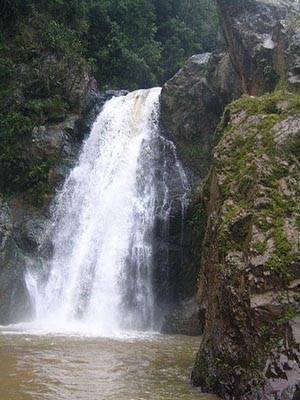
column 154, row 367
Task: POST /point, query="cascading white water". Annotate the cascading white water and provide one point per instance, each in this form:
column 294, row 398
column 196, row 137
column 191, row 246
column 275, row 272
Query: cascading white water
column 103, row 225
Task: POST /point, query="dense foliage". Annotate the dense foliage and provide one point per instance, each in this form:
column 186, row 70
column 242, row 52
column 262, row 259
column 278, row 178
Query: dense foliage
column 131, row 43
column 48, row 47
column 140, row 43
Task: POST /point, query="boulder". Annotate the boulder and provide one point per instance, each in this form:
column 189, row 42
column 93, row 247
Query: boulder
column 192, row 103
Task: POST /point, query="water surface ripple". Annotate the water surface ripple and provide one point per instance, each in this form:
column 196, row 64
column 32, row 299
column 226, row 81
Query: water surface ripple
column 154, row 367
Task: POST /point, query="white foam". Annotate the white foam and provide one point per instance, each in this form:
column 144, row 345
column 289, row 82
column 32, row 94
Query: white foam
column 101, row 220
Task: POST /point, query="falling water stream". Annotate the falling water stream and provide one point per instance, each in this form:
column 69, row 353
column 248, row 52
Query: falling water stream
column 101, row 270
column 95, row 306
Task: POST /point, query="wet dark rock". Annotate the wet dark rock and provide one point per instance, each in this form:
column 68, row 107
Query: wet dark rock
column 170, row 244
column 192, row 103
column 184, row 320
column 14, row 299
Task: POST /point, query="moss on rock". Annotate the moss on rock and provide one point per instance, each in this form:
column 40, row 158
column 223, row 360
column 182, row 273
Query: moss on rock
column 250, row 258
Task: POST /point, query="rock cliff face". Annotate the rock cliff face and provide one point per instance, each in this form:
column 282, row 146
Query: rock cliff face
column 249, row 282
column 192, row 103
column 22, row 225
column 260, row 35
column 259, row 52
column 245, row 217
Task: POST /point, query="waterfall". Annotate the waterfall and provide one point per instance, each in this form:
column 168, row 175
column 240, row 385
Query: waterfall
column 101, row 271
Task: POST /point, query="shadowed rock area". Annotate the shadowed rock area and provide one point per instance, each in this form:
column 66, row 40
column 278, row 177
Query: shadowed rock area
column 243, row 218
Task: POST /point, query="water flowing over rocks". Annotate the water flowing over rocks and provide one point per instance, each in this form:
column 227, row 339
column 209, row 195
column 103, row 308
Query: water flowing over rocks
column 106, row 271
column 226, row 263
column 26, row 230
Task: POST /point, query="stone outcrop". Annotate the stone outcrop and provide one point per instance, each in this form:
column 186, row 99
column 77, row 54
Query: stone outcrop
column 250, row 278
column 21, row 234
column 192, row 103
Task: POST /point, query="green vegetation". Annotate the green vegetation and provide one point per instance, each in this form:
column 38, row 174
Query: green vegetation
column 129, row 43
column 48, row 49
column 267, row 104
column 253, row 168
